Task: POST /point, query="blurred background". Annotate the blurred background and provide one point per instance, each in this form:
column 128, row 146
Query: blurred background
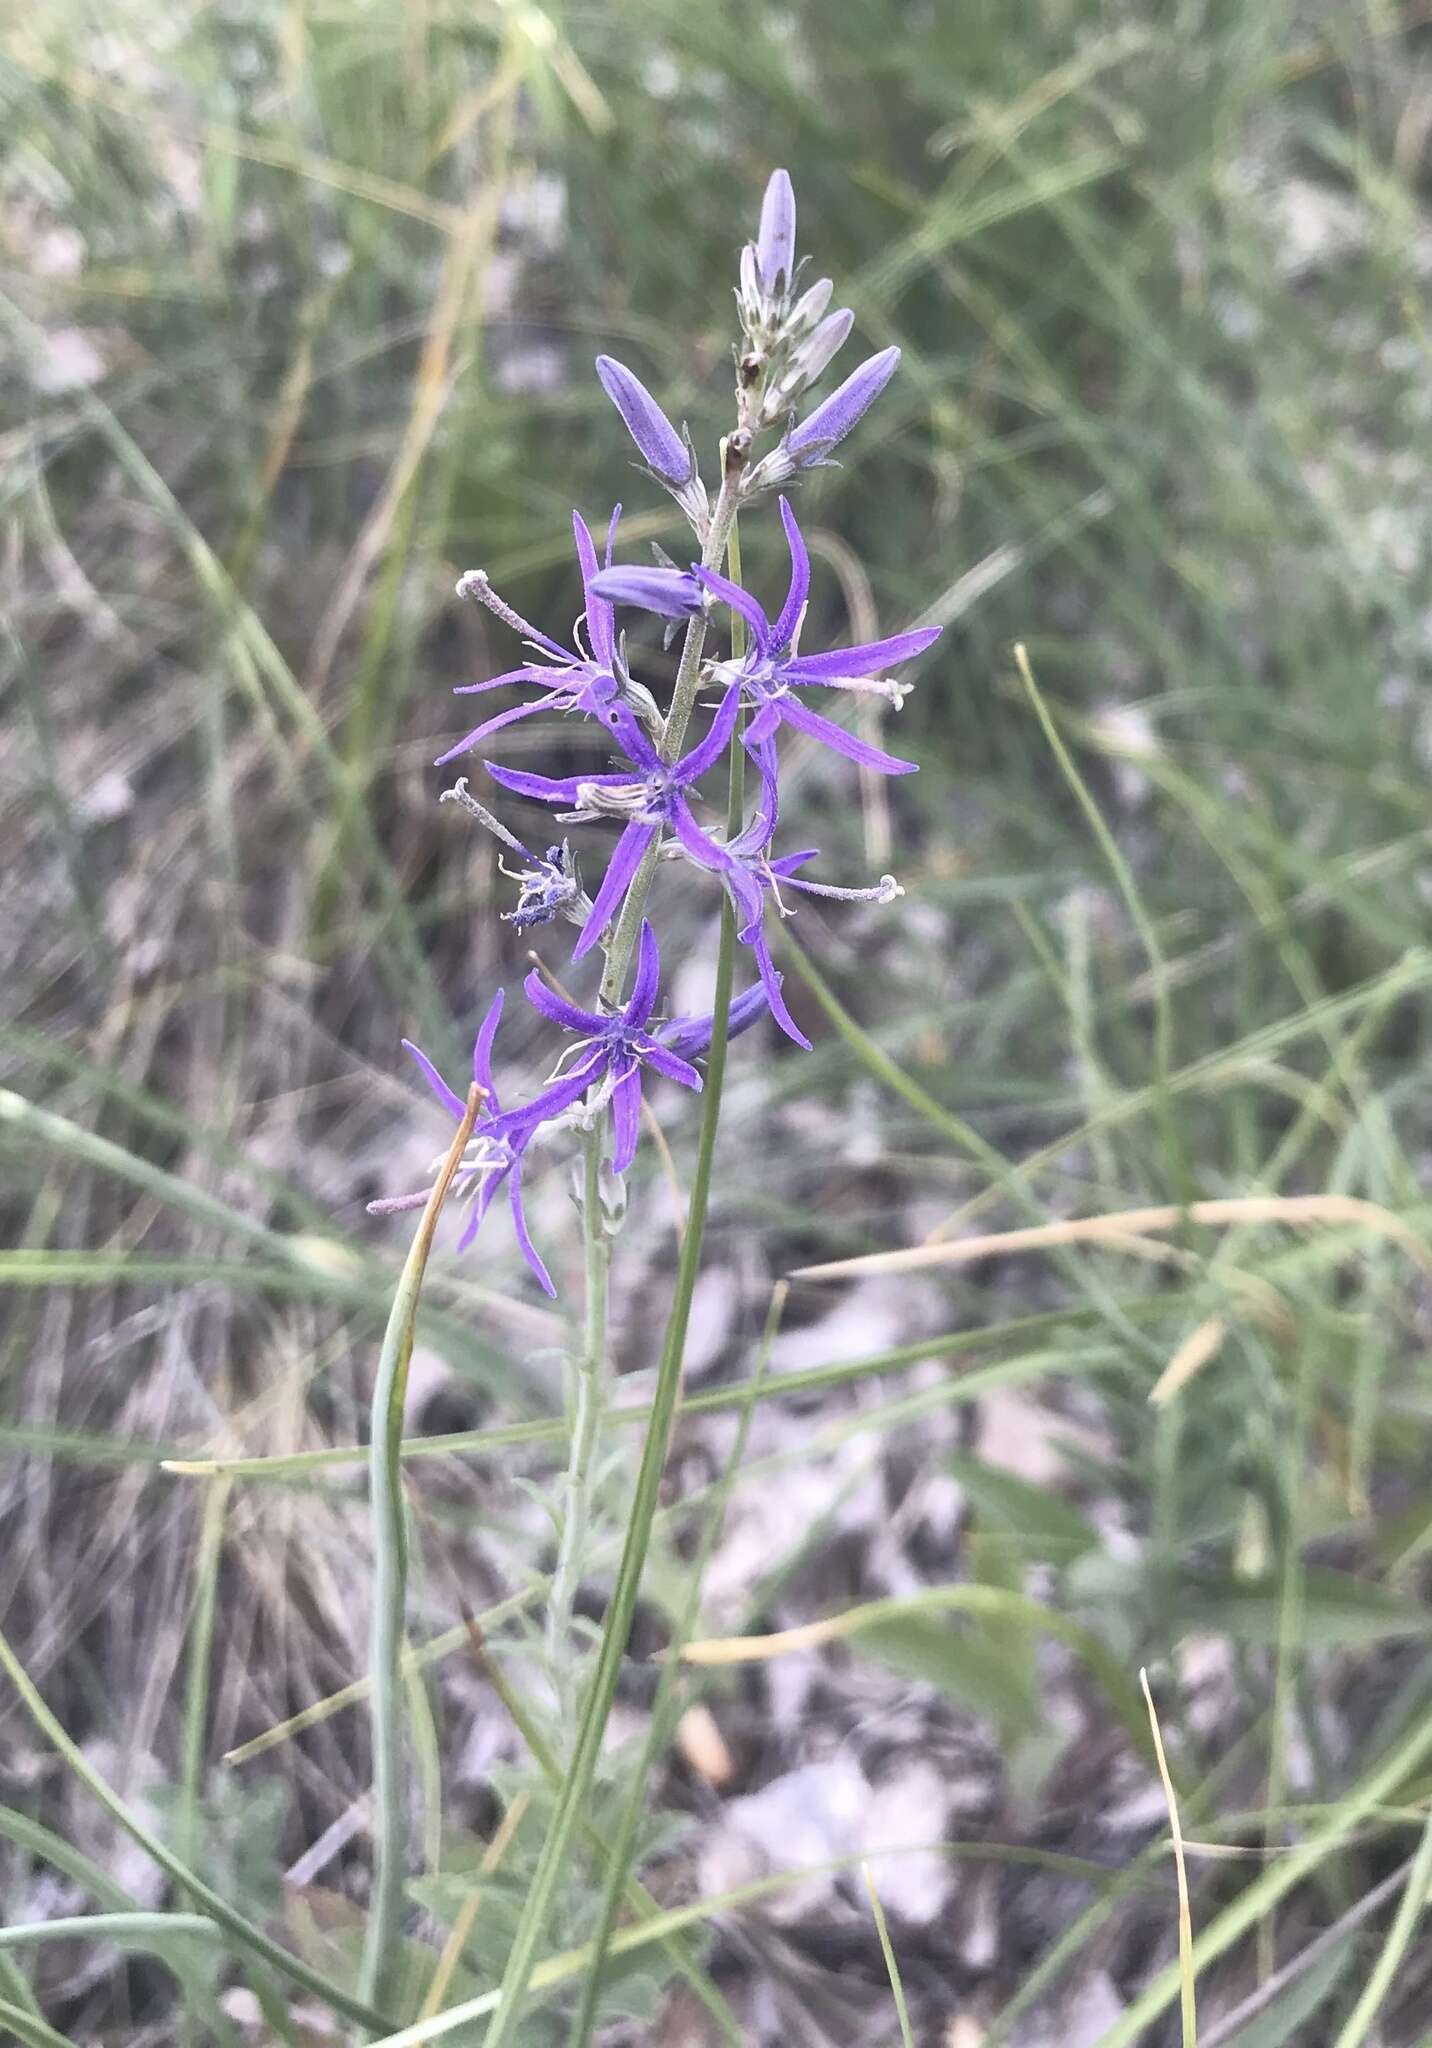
column 299, row 305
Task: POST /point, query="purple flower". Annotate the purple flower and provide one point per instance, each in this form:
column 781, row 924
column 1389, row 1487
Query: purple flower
column 776, row 235
column 751, row 875
column 670, row 593
column 588, row 681
column 494, row 1152
column 772, row 666
column 654, row 802
column 615, row 1047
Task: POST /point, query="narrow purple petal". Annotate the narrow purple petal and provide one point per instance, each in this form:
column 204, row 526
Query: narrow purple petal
column 690, row 1036
column 786, row 866
column 663, row 1061
column 491, row 725
column 833, row 420
column 868, row 659
column 670, row 593
column 776, row 235
column 550, row 789
column 749, row 898
column 598, row 611
column 482, row 1051
column 704, row 851
column 559, row 1011
column 691, row 767
column 800, row 580
column 772, row 984
column 534, row 672
column 763, row 727
column 661, row 446
column 740, row 601
column 435, row 1080
column 626, row 1120
column 621, row 868
column 647, row 980
column 832, row 735
column 524, row 1240
column 519, row 1124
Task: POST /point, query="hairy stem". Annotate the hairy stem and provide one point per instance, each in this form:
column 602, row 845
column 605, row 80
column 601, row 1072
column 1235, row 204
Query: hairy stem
column 576, row 1787
column 584, row 1419
column 390, row 1583
column 735, row 451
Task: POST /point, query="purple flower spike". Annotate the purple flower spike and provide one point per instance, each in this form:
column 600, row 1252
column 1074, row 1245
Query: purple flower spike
column 615, row 1048
column 776, row 236
column 670, row 593
column 663, row 450
column 833, row 419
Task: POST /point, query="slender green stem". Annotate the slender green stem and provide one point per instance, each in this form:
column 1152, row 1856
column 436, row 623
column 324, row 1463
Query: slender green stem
column 584, row 1418
column 576, row 1787
column 139, row 1930
column 390, row 1584
column 734, row 452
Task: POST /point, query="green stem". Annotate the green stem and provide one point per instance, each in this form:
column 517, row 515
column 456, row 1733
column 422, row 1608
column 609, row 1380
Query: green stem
column 734, row 452
column 572, row 1803
column 390, row 1582
column 584, row 1421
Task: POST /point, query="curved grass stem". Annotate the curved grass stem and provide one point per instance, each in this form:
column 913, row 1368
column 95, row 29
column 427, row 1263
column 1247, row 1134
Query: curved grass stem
column 390, row 1581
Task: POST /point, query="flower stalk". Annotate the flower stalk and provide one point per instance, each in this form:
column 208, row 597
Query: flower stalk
column 584, row 1415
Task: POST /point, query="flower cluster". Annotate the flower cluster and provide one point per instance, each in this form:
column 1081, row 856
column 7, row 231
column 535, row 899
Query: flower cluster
column 651, row 789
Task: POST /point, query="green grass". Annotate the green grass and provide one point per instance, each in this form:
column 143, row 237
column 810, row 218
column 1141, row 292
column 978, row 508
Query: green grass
column 295, row 330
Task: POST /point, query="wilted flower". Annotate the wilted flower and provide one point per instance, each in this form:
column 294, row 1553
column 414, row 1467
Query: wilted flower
column 655, row 802
column 614, row 1047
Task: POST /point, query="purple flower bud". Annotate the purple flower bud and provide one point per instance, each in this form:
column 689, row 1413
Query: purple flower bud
column 661, row 446
column 808, row 309
column 833, row 420
column 672, row 593
column 776, row 236
column 815, row 355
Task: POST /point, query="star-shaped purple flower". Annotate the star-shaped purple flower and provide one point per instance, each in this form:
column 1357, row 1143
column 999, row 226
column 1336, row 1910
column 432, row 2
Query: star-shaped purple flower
column 588, row 680
column 655, row 800
column 616, row 1046
column 751, row 875
column 772, row 667
column 494, row 1152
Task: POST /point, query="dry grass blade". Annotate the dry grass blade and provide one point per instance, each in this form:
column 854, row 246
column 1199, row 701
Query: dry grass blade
column 1292, row 1211
column 1185, row 1916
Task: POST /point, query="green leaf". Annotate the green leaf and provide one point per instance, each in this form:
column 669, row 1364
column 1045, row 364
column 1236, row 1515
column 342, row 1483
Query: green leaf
column 963, row 1662
column 1333, row 1607
column 1045, row 1524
